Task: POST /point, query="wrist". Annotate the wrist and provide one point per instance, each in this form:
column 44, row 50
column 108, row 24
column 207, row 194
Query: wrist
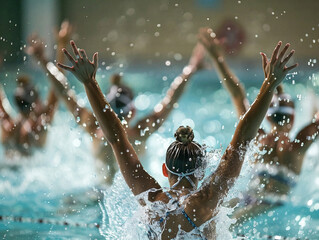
column 89, row 82
column 269, row 83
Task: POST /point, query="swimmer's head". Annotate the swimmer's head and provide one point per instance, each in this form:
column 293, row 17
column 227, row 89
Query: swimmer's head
column 25, row 95
column 281, row 111
column 184, row 156
column 121, row 98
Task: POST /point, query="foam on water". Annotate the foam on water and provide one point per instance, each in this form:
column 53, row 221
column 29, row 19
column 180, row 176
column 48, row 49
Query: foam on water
column 47, row 185
column 51, row 168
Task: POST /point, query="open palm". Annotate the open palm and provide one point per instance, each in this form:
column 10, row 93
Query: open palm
column 82, row 68
column 275, row 68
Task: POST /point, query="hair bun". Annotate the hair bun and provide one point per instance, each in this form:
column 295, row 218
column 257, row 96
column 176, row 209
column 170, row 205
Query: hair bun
column 184, row 134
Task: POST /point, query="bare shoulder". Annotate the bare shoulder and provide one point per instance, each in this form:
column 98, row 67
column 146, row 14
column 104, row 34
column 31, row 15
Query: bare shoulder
column 201, row 207
column 157, row 195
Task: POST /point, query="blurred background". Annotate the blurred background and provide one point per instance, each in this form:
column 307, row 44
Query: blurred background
column 155, row 30
column 150, row 41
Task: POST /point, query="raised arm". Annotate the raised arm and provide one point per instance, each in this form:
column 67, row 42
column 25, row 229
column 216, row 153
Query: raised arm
column 134, row 174
column 229, row 168
column 63, row 36
column 229, row 80
column 6, row 121
column 161, row 111
column 36, row 49
column 307, row 136
column 82, row 116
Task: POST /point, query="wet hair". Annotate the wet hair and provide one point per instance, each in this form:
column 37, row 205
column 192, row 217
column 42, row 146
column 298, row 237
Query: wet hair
column 120, row 97
column 281, row 107
column 25, row 94
column 184, row 155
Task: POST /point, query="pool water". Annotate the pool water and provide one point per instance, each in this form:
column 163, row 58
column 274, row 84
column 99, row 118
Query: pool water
column 59, row 184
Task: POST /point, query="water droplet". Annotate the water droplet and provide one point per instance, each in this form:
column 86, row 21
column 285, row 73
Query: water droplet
column 76, row 142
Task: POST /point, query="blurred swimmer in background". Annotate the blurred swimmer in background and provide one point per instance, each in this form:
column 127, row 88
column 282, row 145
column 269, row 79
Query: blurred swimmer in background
column 20, row 136
column 276, row 171
column 28, row 131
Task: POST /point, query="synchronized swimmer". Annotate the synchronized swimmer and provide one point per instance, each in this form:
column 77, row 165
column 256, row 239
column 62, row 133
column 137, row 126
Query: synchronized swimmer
column 276, row 172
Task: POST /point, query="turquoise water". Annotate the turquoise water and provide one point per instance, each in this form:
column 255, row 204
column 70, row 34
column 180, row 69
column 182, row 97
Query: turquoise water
column 59, row 182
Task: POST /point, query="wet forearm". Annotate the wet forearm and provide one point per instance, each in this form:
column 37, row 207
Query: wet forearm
column 228, row 78
column 248, row 126
column 164, row 108
column 52, row 105
column 173, row 94
column 232, row 84
column 109, row 122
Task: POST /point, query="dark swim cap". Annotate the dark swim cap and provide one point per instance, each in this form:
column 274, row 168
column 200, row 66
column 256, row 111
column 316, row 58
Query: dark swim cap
column 25, row 94
column 120, row 97
column 184, row 155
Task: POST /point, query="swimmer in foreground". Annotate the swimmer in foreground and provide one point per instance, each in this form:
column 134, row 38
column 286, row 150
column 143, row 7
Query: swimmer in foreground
column 186, row 207
column 120, row 98
column 276, row 172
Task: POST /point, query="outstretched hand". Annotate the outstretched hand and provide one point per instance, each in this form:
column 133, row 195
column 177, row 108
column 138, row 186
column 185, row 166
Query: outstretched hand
column 36, row 47
column 275, row 68
column 208, row 38
column 82, row 68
